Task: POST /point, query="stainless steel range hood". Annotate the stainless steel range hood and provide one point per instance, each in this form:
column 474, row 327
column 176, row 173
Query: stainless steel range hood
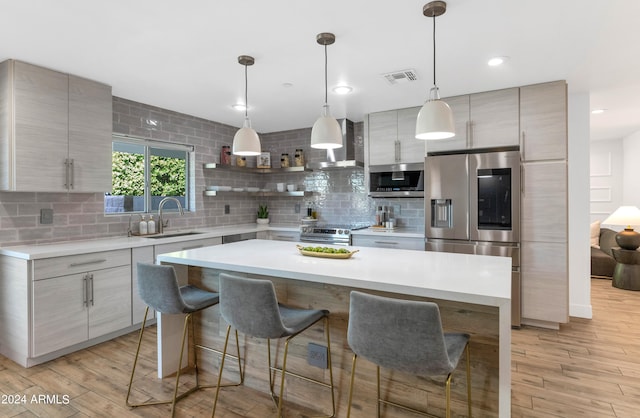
column 340, row 158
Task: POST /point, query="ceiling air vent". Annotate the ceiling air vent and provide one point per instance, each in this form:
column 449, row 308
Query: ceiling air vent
column 402, row 76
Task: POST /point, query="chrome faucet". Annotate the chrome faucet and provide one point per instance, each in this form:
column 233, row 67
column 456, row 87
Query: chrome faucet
column 161, row 222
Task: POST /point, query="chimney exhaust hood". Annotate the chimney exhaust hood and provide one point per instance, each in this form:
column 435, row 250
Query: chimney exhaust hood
column 340, row 158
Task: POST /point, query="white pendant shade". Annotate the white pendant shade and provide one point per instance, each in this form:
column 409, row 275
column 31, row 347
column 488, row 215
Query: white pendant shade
column 246, row 141
column 435, row 121
column 326, row 132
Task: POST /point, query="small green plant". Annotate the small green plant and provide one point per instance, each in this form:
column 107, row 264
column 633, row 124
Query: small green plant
column 263, row 212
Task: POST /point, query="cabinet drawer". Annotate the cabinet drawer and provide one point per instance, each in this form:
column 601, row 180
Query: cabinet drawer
column 59, row 266
column 186, row 245
column 284, row 236
column 403, row 243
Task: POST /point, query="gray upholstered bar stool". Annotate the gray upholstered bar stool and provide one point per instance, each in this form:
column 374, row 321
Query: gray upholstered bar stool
column 159, row 290
column 251, row 307
column 406, row 336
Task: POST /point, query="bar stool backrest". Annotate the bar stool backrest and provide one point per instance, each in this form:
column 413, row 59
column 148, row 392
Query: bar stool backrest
column 251, row 306
column 158, row 288
column 398, row 334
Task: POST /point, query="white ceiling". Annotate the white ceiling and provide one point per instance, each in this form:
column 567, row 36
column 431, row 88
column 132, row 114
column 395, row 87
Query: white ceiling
column 182, row 55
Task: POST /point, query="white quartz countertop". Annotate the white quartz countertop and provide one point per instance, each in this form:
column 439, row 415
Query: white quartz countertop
column 478, row 279
column 33, row 252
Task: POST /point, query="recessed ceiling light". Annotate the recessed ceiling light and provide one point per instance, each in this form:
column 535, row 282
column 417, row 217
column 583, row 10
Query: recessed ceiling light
column 240, row 107
column 598, row 111
column 342, row 90
column 495, row 61
column 287, row 85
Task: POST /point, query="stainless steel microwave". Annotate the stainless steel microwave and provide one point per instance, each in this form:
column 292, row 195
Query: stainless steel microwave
column 396, row 180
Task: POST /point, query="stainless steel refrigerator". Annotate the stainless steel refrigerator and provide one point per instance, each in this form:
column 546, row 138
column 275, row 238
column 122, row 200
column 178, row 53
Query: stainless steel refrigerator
column 472, row 206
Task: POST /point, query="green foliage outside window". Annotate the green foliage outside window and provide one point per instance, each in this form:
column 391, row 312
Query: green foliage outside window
column 167, row 175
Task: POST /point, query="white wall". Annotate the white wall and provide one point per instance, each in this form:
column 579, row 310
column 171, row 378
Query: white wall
column 606, row 172
column 630, row 183
column 579, row 252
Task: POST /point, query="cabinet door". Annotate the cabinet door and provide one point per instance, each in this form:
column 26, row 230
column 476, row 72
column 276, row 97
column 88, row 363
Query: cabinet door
column 410, row 150
column 40, row 142
column 383, row 134
column 90, row 128
column 460, row 107
column 59, row 313
column 543, row 121
column 494, row 118
column 544, row 202
column 109, row 300
column 142, row 255
column 545, row 284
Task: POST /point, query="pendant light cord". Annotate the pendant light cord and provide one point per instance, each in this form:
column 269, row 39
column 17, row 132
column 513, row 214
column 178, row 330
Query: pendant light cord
column 246, row 94
column 434, row 51
column 326, row 82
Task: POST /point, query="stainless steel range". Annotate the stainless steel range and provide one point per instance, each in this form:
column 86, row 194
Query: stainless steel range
column 329, row 234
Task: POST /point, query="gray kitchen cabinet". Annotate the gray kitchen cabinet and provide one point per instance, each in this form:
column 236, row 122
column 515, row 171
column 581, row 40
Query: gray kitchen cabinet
column 544, row 242
column 139, row 255
column 544, row 202
column 57, row 128
column 388, row 240
column 392, row 137
column 482, row 120
column 78, row 298
column 545, row 289
column 543, row 121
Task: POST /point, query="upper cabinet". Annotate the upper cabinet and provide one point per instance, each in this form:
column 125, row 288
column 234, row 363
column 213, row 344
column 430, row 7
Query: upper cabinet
column 482, row 120
column 543, row 121
column 392, row 137
column 55, row 131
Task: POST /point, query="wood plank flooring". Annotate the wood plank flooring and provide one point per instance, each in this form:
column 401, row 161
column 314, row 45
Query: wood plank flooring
column 589, row 368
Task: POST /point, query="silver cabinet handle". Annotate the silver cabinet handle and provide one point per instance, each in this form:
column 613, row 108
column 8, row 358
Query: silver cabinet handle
column 386, row 242
column 284, row 237
column 522, row 151
column 85, row 263
column 470, row 134
column 91, row 283
column 84, row 290
column 191, row 248
column 71, row 175
column 66, row 173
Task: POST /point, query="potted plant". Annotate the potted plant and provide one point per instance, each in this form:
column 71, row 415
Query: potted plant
column 263, row 215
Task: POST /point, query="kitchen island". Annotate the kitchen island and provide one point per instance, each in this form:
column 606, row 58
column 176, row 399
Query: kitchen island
column 473, row 293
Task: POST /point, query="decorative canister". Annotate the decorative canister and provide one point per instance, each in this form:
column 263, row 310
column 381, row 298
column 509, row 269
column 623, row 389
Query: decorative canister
column 284, row 160
column 225, row 155
column 241, row 161
column 299, row 158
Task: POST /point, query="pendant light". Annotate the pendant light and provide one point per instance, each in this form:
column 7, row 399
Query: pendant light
column 246, row 141
column 326, row 132
column 435, row 120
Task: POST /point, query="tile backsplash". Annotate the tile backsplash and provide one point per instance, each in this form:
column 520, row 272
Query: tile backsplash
column 339, row 196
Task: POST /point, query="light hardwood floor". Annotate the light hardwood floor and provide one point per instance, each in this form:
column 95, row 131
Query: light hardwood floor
column 589, row 368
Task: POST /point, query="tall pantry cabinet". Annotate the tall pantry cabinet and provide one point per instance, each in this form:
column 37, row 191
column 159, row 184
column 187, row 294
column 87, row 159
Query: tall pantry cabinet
column 544, row 201
column 55, row 131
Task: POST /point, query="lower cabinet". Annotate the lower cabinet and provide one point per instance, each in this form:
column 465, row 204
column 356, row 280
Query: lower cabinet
column 388, row 241
column 94, row 299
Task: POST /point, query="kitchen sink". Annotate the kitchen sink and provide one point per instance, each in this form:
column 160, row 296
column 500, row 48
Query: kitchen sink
column 173, row 234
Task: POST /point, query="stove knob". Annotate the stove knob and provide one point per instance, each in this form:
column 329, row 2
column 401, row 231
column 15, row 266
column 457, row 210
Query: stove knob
column 340, row 231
